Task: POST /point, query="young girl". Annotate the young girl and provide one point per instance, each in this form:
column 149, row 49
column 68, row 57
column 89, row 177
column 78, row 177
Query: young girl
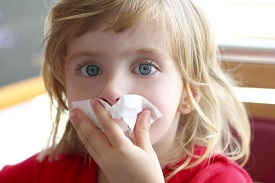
column 161, row 50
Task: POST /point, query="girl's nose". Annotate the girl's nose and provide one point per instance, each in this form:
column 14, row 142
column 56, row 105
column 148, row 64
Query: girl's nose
column 113, row 88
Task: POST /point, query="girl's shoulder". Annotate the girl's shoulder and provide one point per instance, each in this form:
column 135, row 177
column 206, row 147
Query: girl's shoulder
column 67, row 168
column 217, row 168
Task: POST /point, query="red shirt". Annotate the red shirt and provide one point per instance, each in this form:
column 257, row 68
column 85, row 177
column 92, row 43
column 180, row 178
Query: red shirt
column 73, row 168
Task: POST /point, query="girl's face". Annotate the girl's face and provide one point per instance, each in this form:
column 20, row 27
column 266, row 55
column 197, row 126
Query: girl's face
column 108, row 65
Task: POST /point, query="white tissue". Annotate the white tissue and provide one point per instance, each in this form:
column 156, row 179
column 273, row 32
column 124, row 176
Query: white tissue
column 124, row 112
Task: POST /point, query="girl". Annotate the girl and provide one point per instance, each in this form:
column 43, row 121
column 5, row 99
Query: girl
column 162, row 50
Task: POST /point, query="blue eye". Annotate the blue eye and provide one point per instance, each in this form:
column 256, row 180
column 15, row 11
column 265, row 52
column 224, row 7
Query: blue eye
column 145, row 69
column 90, row 70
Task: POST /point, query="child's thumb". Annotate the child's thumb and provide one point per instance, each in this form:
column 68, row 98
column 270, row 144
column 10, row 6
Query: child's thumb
column 142, row 128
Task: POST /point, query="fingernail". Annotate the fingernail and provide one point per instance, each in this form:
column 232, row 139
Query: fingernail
column 148, row 117
column 148, row 114
column 93, row 101
column 73, row 116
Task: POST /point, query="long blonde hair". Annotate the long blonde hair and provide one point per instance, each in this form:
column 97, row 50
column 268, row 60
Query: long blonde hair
column 219, row 121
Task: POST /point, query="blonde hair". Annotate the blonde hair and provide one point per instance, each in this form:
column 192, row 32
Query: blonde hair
column 219, row 121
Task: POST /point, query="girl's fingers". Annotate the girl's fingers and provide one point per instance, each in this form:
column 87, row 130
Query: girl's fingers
column 142, row 127
column 95, row 140
column 113, row 132
column 92, row 138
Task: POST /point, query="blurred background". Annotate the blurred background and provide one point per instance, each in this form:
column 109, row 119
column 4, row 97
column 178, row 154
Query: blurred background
column 24, row 123
column 245, row 31
column 21, row 35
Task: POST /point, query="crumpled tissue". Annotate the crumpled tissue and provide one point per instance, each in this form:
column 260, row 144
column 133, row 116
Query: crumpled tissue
column 124, row 112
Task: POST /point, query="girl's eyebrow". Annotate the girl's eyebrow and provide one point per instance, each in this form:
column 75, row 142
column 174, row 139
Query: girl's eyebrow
column 127, row 53
column 82, row 54
column 143, row 51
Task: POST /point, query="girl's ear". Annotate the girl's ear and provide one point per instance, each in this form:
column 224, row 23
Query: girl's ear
column 185, row 106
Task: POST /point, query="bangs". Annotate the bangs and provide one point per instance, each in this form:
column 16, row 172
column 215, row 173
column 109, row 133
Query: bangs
column 117, row 16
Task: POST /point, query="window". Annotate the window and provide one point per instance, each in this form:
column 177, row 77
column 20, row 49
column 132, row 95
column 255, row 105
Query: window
column 245, row 29
column 242, row 18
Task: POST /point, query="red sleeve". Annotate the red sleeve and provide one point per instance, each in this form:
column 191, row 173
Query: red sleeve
column 228, row 172
column 27, row 171
column 67, row 169
column 215, row 170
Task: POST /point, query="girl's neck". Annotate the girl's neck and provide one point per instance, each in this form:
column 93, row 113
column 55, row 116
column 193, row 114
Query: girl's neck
column 168, row 149
column 171, row 156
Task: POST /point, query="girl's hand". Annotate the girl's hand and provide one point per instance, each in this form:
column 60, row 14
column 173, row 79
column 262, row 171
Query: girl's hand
column 119, row 159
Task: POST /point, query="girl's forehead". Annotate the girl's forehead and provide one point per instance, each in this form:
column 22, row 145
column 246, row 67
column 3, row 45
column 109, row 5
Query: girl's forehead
column 136, row 37
column 140, row 32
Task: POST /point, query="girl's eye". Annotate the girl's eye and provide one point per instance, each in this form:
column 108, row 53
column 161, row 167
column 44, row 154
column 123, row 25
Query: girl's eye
column 90, row 70
column 145, row 69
